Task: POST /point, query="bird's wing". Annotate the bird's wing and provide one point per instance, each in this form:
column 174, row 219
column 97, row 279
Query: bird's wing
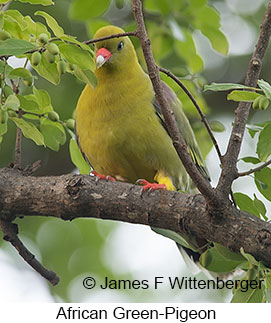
column 78, row 144
column 184, row 128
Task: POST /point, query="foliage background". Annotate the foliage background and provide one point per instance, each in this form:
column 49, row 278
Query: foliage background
column 103, row 248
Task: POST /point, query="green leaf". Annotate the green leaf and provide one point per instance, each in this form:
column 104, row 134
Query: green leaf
column 266, row 87
column 36, row 28
column 245, row 203
column 43, row 99
column 226, row 87
column 264, row 143
column 253, row 129
column 217, row 262
column 17, row 17
column 187, row 50
column 27, row 104
column 217, row 126
column 251, row 295
column 1, row 21
column 51, row 22
column 43, row 2
column 3, row 129
column 22, row 73
column 249, row 257
column 12, row 102
column 240, row 95
column 207, row 19
column 53, row 133
column 72, row 39
column 217, row 38
column 87, row 9
column 29, row 130
column 260, row 207
column 15, row 47
column 78, row 56
column 252, row 160
column 263, row 182
column 225, row 252
column 48, row 71
column 86, row 76
column 77, row 158
column 5, row 68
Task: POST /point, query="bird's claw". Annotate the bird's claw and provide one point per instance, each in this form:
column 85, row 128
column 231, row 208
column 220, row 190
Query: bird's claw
column 150, row 186
column 100, row 176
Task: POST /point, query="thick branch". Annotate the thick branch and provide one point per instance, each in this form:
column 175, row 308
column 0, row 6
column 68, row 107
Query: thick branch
column 178, row 142
column 229, row 169
column 73, row 196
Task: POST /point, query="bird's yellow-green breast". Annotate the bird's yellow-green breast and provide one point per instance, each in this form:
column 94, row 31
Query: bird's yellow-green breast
column 118, row 127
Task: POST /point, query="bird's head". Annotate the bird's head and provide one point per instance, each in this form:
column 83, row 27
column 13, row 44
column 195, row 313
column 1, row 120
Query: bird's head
column 115, row 53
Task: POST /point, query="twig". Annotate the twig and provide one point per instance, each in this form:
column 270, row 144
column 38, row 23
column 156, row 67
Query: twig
column 129, row 33
column 30, row 169
column 256, row 169
column 202, row 115
column 10, row 231
column 18, row 145
column 229, row 168
column 178, row 142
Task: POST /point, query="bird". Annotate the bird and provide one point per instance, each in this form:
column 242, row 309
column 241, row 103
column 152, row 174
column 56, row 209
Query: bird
column 119, row 125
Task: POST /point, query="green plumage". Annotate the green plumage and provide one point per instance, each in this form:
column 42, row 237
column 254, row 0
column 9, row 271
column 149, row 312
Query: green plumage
column 120, row 127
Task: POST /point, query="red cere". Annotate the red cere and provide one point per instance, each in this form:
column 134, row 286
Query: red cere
column 104, row 52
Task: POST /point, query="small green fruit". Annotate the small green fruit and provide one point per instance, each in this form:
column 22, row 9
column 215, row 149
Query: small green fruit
column 50, row 58
column 119, row 4
column 7, row 90
column 263, row 103
column 28, row 82
column 53, row 116
column 70, row 124
column 53, row 49
column 61, row 67
column 256, row 103
column 4, row 35
column 36, row 58
column 43, row 38
column 3, row 116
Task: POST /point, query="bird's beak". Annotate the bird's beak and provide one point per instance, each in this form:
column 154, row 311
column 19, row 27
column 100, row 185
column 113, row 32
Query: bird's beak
column 102, row 56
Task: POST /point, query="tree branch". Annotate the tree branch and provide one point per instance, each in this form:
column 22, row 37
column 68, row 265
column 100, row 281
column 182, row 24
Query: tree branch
column 202, row 115
column 229, row 168
column 203, row 186
column 256, row 169
column 73, row 196
column 10, row 231
column 95, row 40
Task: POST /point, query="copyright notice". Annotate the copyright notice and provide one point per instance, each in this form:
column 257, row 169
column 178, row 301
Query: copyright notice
column 172, row 283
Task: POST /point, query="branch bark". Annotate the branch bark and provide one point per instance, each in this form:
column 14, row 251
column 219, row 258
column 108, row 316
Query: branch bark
column 229, row 166
column 153, row 70
column 73, row 196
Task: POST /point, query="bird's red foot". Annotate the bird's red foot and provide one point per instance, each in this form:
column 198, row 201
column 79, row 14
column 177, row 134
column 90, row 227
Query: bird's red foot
column 150, row 186
column 100, row 176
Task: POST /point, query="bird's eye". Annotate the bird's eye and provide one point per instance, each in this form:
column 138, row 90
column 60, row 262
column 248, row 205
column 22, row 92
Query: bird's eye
column 120, row 45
